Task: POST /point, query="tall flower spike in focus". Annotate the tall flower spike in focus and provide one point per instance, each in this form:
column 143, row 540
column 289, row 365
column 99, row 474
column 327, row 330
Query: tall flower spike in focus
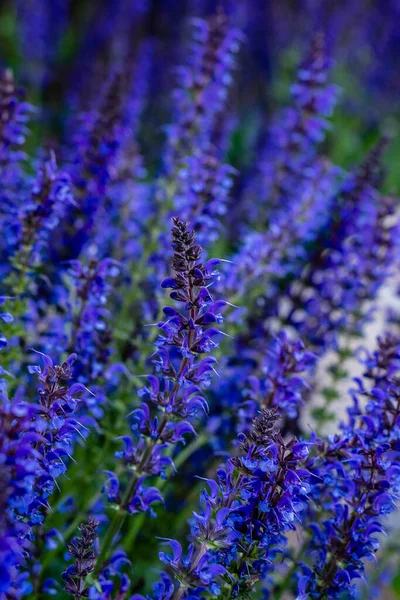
column 174, row 395
column 274, row 499
column 36, row 441
column 194, row 181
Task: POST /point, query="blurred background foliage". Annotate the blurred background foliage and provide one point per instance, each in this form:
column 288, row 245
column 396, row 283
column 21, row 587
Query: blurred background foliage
column 363, row 39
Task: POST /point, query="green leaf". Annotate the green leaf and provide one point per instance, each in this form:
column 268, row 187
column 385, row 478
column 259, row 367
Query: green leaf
column 330, row 394
column 396, row 585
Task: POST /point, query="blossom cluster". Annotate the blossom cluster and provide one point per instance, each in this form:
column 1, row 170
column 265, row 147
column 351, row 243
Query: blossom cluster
column 185, row 335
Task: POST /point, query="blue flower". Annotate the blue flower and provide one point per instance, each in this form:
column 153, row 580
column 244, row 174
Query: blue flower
column 176, row 391
column 247, row 511
column 357, row 480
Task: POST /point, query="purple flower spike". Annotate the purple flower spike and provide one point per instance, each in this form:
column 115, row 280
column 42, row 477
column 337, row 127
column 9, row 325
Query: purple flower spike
column 82, row 549
column 356, row 480
column 246, row 512
column 176, row 391
column 42, row 213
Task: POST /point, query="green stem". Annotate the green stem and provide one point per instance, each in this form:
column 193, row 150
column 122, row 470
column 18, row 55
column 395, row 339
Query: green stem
column 183, row 585
column 182, row 457
column 179, row 592
column 120, row 516
column 116, row 524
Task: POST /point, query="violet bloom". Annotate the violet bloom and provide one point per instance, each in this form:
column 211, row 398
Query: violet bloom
column 203, row 188
column 356, row 483
column 274, row 500
column 94, row 154
column 14, row 116
column 196, row 183
column 298, row 188
column 49, row 20
column 19, row 469
column 113, row 581
column 281, row 383
column 276, row 376
column 240, row 532
column 98, row 143
column 289, row 158
column 50, row 196
column 127, row 206
column 204, row 85
column 281, row 251
column 91, row 334
column 110, row 38
column 13, row 123
column 302, row 186
column 6, row 318
column 175, row 392
column 82, row 549
column 57, row 427
column 353, row 258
